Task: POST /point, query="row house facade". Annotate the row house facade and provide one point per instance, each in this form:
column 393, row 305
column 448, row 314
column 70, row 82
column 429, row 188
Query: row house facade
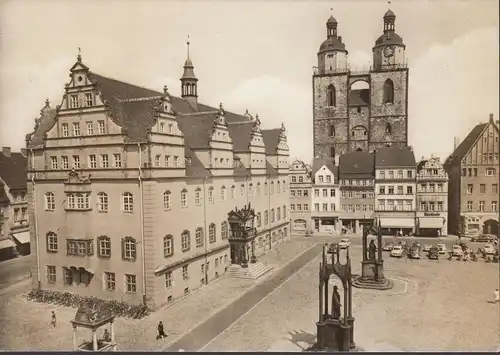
column 432, row 198
column 165, row 171
column 300, row 197
column 395, row 189
column 357, row 190
column 473, row 170
column 325, row 199
column 14, row 224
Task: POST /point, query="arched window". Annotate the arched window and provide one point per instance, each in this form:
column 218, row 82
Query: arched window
column 388, row 92
column 330, row 93
column 278, row 213
column 332, row 152
column 284, row 211
column 104, row 246
column 197, row 196
column 199, row 237
column 52, row 244
column 272, row 187
column 167, row 203
column 284, row 186
column 233, row 192
column 223, row 193
column 258, row 189
column 211, row 195
column 272, row 215
column 388, row 128
column 168, row 245
column 266, row 188
column 185, row 241
column 278, row 187
column 129, row 248
column 211, row 233
column 250, row 190
column 128, row 202
column 102, row 202
column 223, row 230
column 331, row 131
column 50, row 201
column 184, row 202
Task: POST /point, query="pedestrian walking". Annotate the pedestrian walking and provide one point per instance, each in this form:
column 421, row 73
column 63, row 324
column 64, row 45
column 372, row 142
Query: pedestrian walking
column 54, row 320
column 161, row 331
column 496, row 296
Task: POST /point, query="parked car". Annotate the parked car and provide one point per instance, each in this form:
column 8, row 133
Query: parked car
column 433, row 253
column 427, row 247
column 397, row 251
column 457, row 250
column 482, row 238
column 441, row 248
column 414, row 252
column 489, row 249
column 344, row 243
column 388, row 246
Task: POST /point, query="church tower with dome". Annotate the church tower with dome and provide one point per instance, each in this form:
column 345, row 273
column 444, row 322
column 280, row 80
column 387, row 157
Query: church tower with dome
column 360, row 110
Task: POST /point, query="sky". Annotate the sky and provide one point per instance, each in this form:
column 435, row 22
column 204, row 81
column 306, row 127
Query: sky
column 255, row 55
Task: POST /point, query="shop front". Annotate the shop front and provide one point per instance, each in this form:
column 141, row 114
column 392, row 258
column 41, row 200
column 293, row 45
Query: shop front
column 431, row 225
column 397, row 225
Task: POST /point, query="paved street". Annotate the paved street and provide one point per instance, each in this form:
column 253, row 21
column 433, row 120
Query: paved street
column 433, row 306
column 14, row 270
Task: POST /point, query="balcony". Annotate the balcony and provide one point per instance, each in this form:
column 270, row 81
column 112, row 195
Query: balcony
column 360, row 71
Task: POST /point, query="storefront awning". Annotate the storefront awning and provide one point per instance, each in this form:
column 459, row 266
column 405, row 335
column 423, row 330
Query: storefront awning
column 397, row 222
column 22, row 237
column 427, row 222
column 6, row 243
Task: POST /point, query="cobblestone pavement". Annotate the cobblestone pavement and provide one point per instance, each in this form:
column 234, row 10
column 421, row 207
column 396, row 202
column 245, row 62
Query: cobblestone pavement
column 14, row 270
column 433, row 306
column 25, row 324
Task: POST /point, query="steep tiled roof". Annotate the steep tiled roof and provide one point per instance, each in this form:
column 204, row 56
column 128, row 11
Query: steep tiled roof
column 467, row 143
column 195, row 168
column 355, row 163
column 13, row 170
column 319, row 162
column 270, row 170
column 359, row 97
column 394, row 157
column 271, row 140
column 197, row 128
column 240, row 132
column 3, row 195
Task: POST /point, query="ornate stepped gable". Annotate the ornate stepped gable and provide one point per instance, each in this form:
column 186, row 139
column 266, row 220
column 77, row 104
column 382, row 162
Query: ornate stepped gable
column 134, row 108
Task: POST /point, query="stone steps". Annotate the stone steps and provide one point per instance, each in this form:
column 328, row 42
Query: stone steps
column 252, row 272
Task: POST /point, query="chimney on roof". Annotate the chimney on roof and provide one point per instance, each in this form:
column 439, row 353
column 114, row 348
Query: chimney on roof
column 6, row 151
column 491, row 118
column 24, row 152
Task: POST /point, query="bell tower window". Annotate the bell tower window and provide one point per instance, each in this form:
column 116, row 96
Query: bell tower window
column 331, row 131
column 388, row 128
column 330, row 93
column 388, row 92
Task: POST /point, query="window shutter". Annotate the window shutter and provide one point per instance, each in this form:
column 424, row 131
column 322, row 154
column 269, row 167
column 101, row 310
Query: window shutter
column 123, row 248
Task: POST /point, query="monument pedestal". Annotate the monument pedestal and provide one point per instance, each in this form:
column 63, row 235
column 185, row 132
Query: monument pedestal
column 350, row 321
column 372, row 276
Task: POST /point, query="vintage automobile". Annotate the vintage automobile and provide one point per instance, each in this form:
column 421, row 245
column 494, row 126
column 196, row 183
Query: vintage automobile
column 414, row 252
column 489, row 249
column 441, row 248
column 344, row 243
column 433, row 253
column 457, row 250
column 427, row 247
column 482, row 238
column 397, row 251
column 388, row 246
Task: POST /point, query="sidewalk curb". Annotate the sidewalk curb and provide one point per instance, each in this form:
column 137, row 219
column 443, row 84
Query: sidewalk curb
column 180, row 336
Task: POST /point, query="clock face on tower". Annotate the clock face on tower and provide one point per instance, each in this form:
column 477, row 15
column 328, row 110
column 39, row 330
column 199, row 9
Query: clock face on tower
column 388, row 51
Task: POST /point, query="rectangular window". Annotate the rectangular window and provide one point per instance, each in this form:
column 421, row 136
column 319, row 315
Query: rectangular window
column 391, row 190
column 76, row 129
column 494, row 188
column 306, row 207
column 325, row 207
column 409, row 190
column 53, row 161
column 185, row 273
column 409, row 174
column 320, row 178
column 481, row 206
column 328, row 178
column 130, row 281
column 469, row 206
column 408, row 205
column 90, row 128
column 325, row 193
column 400, row 190
column 110, row 281
column 51, row 274
column 65, row 129
column 390, row 205
column 423, row 206
column 176, row 160
column 400, row 174
column 92, row 161
column 101, row 128
column 104, row 247
column 494, row 205
column 76, row 162
column 332, row 192
column 168, row 279
column 316, row 206
column 482, row 188
column 117, row 157
column 74, row 101
column 381, row 190
column 104, row 161
column 391, row 174
column 469, row 189
column 67, row 276
column 382, row 175
column 316, row 192
column 439, row 206
column 440, row 188
column 89, row 99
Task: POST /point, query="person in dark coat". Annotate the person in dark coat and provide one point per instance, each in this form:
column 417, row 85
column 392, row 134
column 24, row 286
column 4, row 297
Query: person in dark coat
column 54, row 320
column 161, row 331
